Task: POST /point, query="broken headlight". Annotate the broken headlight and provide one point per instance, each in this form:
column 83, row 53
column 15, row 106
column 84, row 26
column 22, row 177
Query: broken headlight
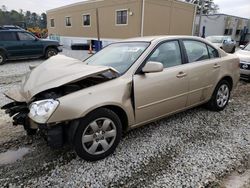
column 40, row 111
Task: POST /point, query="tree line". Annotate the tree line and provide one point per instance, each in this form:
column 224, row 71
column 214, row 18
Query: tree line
column 209, row 6
column 26, row 19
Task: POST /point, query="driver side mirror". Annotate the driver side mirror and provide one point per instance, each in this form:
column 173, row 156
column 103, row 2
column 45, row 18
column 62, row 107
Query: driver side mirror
column 152, row 66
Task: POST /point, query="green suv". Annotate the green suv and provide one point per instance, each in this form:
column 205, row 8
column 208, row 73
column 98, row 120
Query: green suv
column 20, row 44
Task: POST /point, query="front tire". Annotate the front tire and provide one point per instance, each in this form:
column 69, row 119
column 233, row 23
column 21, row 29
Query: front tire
column 98, row 135
column 233, row 50
column 50, row 52
column 2, row 58
column 220, row 97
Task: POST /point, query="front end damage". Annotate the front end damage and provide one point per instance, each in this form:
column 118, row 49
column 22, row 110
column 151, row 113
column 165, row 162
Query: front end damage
column 57, row 133
column 19, row 111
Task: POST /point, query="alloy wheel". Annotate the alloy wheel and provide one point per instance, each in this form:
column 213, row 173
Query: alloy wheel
column 222, row 95
column 51, row 53
column 99, row 136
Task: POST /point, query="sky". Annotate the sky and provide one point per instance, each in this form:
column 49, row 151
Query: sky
column 37, row 6
column 234, row 7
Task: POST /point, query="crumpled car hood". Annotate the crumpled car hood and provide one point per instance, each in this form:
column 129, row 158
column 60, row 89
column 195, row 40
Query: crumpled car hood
column 55, row 72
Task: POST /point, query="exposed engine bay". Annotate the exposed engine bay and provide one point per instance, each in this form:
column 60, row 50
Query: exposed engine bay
column 76, row 86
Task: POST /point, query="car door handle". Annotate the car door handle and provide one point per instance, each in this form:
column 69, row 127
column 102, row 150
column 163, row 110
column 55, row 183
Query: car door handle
column 181, row 75
column 216, row 66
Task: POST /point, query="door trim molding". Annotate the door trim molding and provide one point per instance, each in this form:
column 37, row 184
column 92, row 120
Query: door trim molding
column 171, row 98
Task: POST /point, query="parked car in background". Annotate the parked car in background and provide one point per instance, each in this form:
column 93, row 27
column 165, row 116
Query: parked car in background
column 224, row 42
column 20, row 44
column 123, row 86
column 244, row 55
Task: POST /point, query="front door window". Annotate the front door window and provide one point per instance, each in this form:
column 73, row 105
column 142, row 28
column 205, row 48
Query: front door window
column 168, row 54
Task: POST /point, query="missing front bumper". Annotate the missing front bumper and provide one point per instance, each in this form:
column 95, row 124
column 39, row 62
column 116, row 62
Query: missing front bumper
column 19, row 112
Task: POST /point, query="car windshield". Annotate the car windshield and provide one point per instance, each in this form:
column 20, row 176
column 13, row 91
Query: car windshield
column 247, row 47
column 217, row 39
column 119, row 56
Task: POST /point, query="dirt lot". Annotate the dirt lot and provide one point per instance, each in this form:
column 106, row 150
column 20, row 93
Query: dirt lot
column 197, row 148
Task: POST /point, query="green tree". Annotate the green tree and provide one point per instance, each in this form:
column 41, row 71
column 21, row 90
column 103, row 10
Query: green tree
column 4, row 8
column 209, row 6
column 21, row 18
column 34, row 19
column 43, row 21
column 27, row 18
column 15, row 17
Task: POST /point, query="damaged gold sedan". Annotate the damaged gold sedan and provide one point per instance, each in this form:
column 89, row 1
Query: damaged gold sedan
column 91, row 104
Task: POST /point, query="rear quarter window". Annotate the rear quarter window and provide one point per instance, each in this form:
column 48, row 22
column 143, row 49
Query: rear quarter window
column 7, row 36
column 23, row 36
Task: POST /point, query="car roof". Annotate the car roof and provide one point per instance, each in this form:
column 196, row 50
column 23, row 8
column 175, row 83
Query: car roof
column 219, row 36
column 11, row 30
column 157, row 39
column 162, row 37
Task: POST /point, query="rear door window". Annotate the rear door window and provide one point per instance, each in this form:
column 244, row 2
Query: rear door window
column 25, row 36
column 7, row 36
column 196, row 51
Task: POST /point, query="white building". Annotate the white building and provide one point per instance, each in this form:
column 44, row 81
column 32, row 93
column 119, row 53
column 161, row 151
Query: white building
column 222, row 24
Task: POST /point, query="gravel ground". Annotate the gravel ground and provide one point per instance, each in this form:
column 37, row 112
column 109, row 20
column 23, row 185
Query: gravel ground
column 196, row 148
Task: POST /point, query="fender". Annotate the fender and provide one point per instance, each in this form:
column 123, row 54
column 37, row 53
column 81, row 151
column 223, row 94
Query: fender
column 5, row 52
column 49, row 46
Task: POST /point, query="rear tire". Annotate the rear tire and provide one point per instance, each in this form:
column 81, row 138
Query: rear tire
column 98, row 135
column 2, row 58
column 50, row 52
column 220, row 97
column 233, row 50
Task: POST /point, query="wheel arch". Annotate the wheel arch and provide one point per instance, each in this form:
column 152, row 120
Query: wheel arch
column 49, row 46
column 116, row 108
column 211, row 103
column 119, row 111
column 229, row 79
column 4, row 51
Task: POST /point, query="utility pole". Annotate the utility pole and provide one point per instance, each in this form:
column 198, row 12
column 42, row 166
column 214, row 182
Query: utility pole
column 142, row 18
column 97, row 25
column 201, row 11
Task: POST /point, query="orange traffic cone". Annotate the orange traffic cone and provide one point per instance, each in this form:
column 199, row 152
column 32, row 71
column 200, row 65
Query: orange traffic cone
column 90, row 49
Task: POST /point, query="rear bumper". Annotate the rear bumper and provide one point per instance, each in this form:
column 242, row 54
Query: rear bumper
column 245, row 77
column 245, row 74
